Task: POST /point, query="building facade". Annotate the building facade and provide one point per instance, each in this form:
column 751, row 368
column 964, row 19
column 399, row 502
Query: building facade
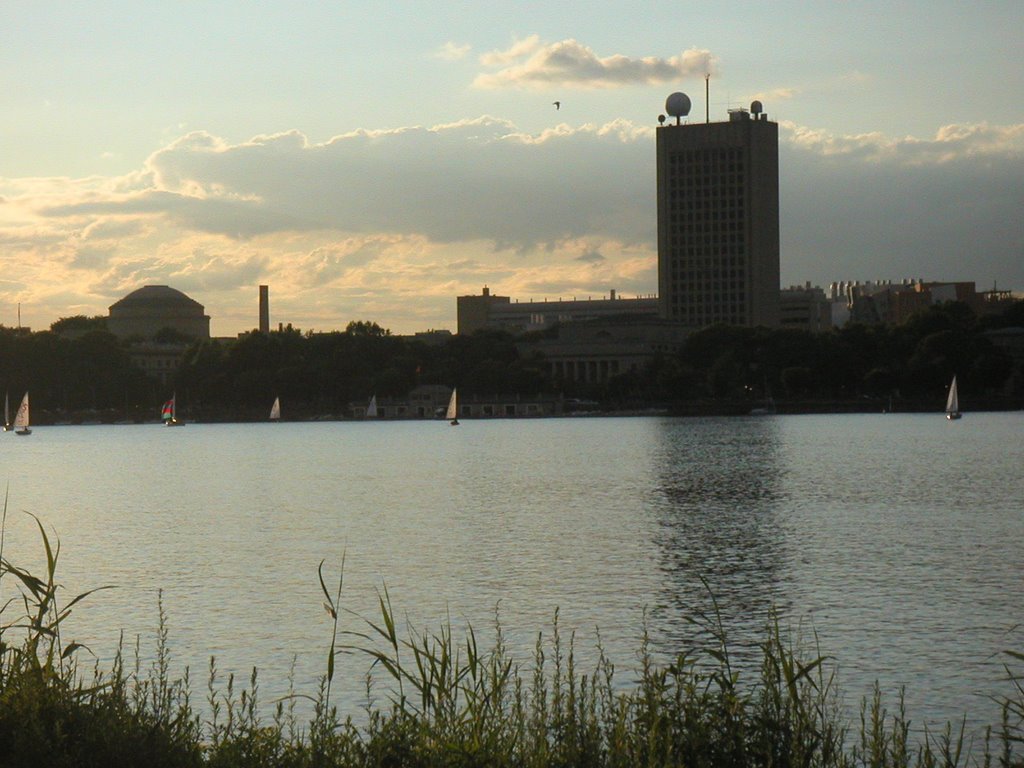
column 140, row 317
column 597, row 351
column 473, row 312
column 805, row 307
column 718, row 220
column 517, row 317
column 885, row 302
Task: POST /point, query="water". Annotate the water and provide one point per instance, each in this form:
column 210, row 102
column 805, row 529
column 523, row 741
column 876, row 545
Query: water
column 895, row 538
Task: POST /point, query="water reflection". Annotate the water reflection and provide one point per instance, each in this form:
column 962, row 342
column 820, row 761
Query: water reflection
column 718, row 536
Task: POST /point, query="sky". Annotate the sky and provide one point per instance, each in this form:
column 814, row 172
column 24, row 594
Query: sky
column 372, row 161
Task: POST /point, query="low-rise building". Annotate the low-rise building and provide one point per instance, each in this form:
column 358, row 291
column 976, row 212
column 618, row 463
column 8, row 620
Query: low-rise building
column 805, row 307
column 598, row 350
column 501, row 313
column 892, row 303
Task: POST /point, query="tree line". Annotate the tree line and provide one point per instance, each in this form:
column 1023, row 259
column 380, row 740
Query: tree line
column 78, row 368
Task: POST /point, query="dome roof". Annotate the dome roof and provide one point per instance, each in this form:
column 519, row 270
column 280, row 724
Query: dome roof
column 147, row 311
column 153, row 296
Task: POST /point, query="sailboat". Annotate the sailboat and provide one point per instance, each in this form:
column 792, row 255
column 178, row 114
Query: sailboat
column 371, row 409
column 7, row 412
column 21, row 419
column 275, row 410
column 953, row 402
column 452, row 414
column 169, row 413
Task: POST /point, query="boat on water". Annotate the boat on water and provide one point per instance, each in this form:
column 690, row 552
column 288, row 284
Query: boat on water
column 275, row 410
column 169, row 413
column 953, row 402
column 452, row 414
column 21, row 418
column 371, row 409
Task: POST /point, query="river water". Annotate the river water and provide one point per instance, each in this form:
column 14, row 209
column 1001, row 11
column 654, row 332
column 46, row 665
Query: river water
column 895, row 539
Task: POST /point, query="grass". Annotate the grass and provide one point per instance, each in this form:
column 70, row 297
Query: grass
column 450, row 702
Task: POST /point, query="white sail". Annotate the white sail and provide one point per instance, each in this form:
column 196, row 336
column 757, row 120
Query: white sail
column 275, row 409
column 453, row 407
column 371, row 409
column 21, row 418
column 953, row 401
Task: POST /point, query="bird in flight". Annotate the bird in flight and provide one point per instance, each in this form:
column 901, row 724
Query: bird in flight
column 558, row 104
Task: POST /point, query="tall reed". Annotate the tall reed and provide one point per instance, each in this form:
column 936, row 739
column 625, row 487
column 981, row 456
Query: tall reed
column 452, row 702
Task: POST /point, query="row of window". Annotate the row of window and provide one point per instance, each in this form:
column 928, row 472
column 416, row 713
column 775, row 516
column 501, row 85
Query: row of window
column 716, row 247
column 710, row 294
column 711, row 196
column 714, row 157
column 707, row 184
column 733, row 229
column 692, row 276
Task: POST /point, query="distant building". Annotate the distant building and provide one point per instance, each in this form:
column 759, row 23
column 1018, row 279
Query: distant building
column 145, row 312
column 718, row 218
column 891, row 303
column 474, row 311
column 501, row 313
column 806, row 308
column 434, row 337
column 596, row 351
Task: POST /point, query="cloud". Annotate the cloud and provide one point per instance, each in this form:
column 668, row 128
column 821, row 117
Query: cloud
column 590, row 257
column 876, row 207
column 452, row 51
column 569, row 63
column 391, row 225
column 472, row 180
column 951, row 143
column 777, row 94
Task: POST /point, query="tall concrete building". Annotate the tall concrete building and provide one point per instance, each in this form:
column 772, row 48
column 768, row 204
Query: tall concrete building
column 718, row 217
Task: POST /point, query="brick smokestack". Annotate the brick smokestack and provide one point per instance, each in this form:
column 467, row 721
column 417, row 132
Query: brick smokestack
column 264, row 309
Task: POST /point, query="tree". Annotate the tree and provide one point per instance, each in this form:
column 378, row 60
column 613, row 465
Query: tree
column 79, row 324
column 365, row 328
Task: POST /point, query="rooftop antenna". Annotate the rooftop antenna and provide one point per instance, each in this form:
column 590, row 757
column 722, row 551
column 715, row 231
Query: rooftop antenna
column 707, row 89
column 707, row 97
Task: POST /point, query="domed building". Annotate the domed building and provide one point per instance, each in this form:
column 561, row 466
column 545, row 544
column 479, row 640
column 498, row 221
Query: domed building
column 147, row 311
column 142, row 314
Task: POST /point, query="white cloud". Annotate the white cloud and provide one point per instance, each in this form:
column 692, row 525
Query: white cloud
column 391, row 225
column 451, row 51
column 473, row 180
column 777, row 94
column 950, row 143
column 518, row 50
column 569, row 63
